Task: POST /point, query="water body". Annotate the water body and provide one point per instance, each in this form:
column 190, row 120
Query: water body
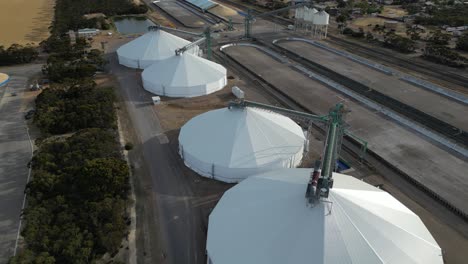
column 132, row 25
column 25, row 21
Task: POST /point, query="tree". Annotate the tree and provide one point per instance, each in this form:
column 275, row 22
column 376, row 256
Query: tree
column 17, row 54
column 76, row 199
column 399, row 43
column 74, row 105
column 104, row 177
column 370, row 37
column 341, row 18
column 462, row 43
column 443, row 55
column 413, row 33
column 341, row 4
column 95, row 57
column 438, row 38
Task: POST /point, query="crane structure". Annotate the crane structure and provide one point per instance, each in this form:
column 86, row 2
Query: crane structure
column 322, row 178
column 249, row 17
column 206, row 37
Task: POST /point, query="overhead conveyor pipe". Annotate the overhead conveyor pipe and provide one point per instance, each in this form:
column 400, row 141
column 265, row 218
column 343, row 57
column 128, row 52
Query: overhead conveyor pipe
column 279, row 110
column 189, row 46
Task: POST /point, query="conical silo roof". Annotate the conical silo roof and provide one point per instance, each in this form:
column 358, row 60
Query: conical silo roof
column 184, row 75
column 150, row 47
column 266, row 220
column 232, row 144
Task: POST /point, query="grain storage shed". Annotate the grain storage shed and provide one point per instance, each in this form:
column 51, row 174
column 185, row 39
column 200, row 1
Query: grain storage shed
column 151, row 47
column 232, row 144
column 266, row 220
column 184, row 75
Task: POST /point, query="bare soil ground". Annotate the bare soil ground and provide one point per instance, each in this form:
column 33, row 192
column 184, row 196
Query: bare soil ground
column 175, row 112
column 227, row 13
column 25, row 21
column 394, row 11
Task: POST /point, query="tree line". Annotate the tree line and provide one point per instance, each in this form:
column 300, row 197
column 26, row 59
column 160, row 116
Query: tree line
column 76, row 199
column 17, row 54
column 456, row 15
column 78, row 193
column 73, row 106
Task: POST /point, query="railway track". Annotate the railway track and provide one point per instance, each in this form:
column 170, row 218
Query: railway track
column 449, row 131
column 439, row 73
column 372, row 160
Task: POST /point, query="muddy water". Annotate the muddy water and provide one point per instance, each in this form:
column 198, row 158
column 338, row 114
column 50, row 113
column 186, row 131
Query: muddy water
column 25, row 21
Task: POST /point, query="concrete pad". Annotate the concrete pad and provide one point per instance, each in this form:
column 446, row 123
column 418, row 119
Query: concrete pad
column 431, row 103
column 427, row 163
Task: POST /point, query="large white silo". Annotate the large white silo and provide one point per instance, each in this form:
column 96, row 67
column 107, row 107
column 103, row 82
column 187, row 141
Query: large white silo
column 153, row 46
column 184, row 75
column 231, row 144
column 320, row 24
column 265, row 219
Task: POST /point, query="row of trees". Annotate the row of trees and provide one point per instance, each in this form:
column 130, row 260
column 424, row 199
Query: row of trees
column 443, row 55
column 399, row 43
column 448, row 15
column 391, row 40
column 72, row 106
column 17, row 54
column 76, row 200
column 78, row 194
column 462, row 43
column 77, row 197
column 72, row 61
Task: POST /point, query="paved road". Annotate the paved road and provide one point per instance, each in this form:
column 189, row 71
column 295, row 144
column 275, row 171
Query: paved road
column 171, row 197
column 15, row 153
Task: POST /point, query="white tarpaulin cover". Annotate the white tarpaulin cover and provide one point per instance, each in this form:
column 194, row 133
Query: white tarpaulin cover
column 229, row 145
column 152, row 46
column 265, row 220
column 185, row 75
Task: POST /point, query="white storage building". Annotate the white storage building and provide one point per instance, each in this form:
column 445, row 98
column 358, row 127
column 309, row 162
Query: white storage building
column 151, row 47
column 321, row 18
column 184, row 75
column 231, row 144
column 266, row 220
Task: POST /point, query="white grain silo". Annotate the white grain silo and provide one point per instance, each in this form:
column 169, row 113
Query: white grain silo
column 309, row 14
column 320, row 22
column 265, row 219
column 231, row 144
column 153, row 46
column 184, row 75
column 299, row 17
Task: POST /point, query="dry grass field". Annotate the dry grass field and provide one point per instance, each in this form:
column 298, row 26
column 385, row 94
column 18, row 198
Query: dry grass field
column 25, row 21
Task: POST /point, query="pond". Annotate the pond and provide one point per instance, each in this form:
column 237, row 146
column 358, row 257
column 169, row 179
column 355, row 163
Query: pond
column 132, row 25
